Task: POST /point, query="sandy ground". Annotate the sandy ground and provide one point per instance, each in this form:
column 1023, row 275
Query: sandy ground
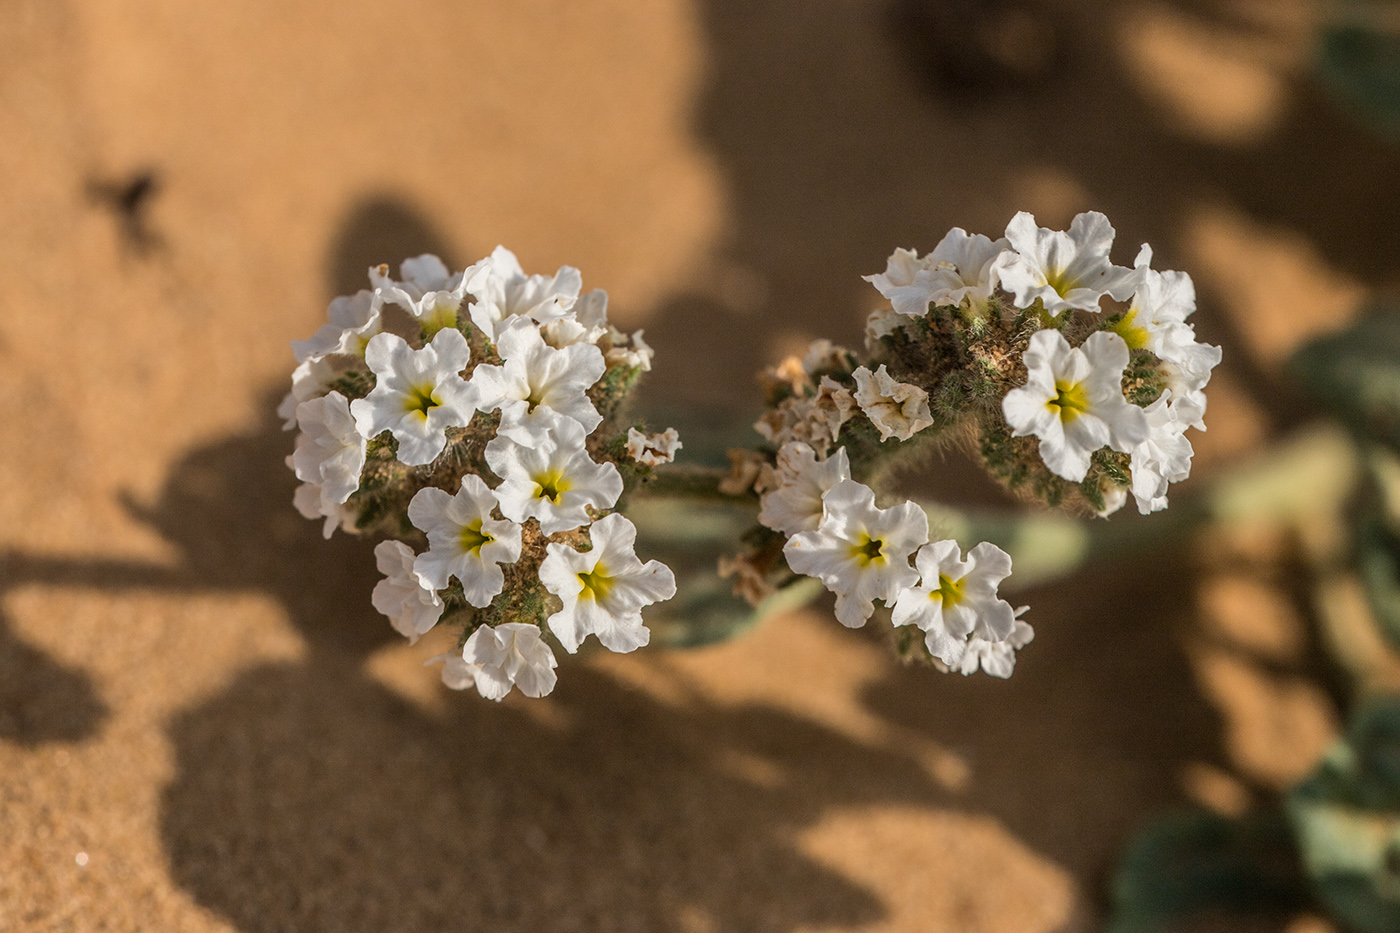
column 204, row 725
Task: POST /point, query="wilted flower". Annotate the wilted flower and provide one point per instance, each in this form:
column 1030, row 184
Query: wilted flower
column 898, row 409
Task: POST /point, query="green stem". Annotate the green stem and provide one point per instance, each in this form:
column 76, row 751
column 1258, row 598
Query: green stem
column 1312, row 474
column 692, row 481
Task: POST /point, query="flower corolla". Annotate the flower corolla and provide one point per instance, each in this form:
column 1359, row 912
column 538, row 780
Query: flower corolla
column 794, row 504
column 962, row 268
column 553, row 481
column 503, row 291
column 353, row 320
column 1063, row 270
column 464, row 541
column 997, row 658
column 495, row 660
column 604, row 589
column 413, row 607
column 860, row 552
column 330, row 450
column 536, row 383
column 898, row 409
column 1162, row 458
column 653, row 449
column 428, row 290
column 956, row 598
column 418, row 394
column 1073, row 401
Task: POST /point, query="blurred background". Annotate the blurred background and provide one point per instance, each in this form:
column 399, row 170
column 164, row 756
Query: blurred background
column 205, row 726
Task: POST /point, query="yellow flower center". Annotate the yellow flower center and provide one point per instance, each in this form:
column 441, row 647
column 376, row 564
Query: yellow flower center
column 473, row 537
column 1070, row 400
column 421, row 399
column 551, row 486
column 1133, row 333
column 949, row 592
column 1061, row 282
column 597, row 584
column 442, row 316
column 867, row 551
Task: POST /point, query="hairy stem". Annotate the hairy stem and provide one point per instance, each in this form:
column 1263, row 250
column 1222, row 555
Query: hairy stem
column 692, row 481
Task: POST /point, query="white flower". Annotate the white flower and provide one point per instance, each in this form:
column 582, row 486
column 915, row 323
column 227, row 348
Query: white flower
column 502, row 291
column 429, row 291
column 654, row 449
column 954, row 598
column 310, row 502
column 832, row 406
column 354, row 319
column 1162, row 301
column 464, row 541
column 567, row 331
column 882, row 322
column 1156, row 321
column 997, row 658
column 412, row 606
column 310, row 380
column 604, row 589
column 1163, row 458
column 905, row 283
column 859, row 551
column 589, row 324
column 823, row 355
column 1187, row 366
column 898, row 409
column 1063, row 270
column 591, row 310
column 418, row 394
column 537, row 382
column 496, row 659
column 796, row 504
column 586, row 323
column 1073, row 401
column 554, row 481
column 962, row 267
column 421, row 275
column 628, row 351
column 330, row 450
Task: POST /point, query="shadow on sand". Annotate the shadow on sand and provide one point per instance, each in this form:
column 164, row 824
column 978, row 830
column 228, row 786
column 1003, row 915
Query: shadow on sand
column 308, row 796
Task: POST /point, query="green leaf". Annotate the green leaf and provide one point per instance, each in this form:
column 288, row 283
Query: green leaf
column 690, row 537
column 1378, row 564
column 1347, row 819
column 1356, row 374
column 1360, row 64
column 1196, row 865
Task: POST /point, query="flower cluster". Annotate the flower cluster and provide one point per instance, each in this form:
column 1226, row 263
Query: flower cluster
column 1006, row 342
column 477, row 415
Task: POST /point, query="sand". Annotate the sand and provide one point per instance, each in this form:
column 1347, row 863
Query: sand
column 205, row 726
